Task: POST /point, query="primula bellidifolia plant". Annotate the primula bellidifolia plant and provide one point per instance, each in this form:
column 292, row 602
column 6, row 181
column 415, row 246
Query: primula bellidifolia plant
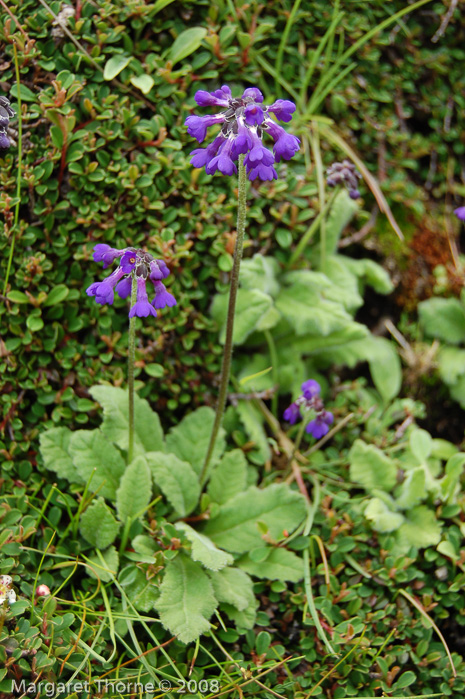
column 244, row 122
column 128, row 460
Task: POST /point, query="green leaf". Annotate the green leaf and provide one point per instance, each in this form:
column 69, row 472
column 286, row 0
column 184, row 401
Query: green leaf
column 445, row 548
column 155, row 370
column 252, row 420
column 190, row 439
column 143, row 593
column 405, row 680
column 340, row 214
column 115, row 65
column 370, row 272
column 186, row 602
column 148, row 432
column 234, row 587
column 93, row 455
column 280, row 564
column 105, row 571
column 413, row 489
column 54, row 447
column 260, row 273
column 443, row 318
column 419, row 529
column 135, row 490
column 385, row 366
column 186, row 43
column 34, row 323
column 381, row 517
column 98, row 526
column 252, row 307
column 176, row 479
column 204, row 550
column 26, row 94
column 229, row 477
column 370, row 467
column 421, row 444
column 235, row 528
column 450, row 483
column 144, row 83
column 57, row 295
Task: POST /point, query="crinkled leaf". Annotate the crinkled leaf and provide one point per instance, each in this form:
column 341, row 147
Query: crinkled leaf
column 339, row 216
column 93, row 455
column 443, row 318
column 54, row 447
column 233, row 586
column 176, row 479
column 135, row 490
column 419, row 529
column 190, row 439
column 413, row 489
column 98, row 526
column 235, row 528
column 252, row 306
column 107, row 569
column 148, row 432
column 421, row 444
column 370, row 467
column 143, row 593
column 253, row 423
column 229, row 477
column 381, row 517
column 260, row 273
column 186, row 602
column 280, row 564
column 204, row 550
column 450, row 482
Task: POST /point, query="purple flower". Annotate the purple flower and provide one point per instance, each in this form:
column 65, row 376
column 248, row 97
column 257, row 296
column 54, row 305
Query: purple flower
column 134, row 264
column 460, row 213
column 254, row 115
column 197, row 126
column 223, row 161
column 244, row 122
column 124, row 287
column 162, row 297
column 106, row 254
column 282, row 109
column 4, row 140
column 310, row 389
column 128, row 261
column 320, row 425
column 292, row 413
column 344, row 173
column 142, row 308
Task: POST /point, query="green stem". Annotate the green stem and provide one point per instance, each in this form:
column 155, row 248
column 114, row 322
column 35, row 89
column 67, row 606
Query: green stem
column 18, row 178
column 131, row 361
column 320, row 176
column 274, row 371
column 228, row 344
column 310, row 232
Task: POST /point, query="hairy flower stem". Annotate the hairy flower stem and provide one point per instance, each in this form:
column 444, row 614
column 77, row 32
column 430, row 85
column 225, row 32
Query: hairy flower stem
column 18, row 178
column 228, row 344
column 131, row 361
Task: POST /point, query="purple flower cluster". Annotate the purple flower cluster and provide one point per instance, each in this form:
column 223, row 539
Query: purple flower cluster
column 310, row 400
column 344, row 173
column 133, row 263
column 244, row 121
column 460, row 213
column 6, row 113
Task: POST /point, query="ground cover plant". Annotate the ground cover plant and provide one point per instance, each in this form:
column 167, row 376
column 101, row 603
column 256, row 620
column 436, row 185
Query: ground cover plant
column 286, row 519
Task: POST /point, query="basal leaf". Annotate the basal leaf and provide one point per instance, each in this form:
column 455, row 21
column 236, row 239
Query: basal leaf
column 148, row 432
column 186, row 602
column 54, row 447
column 229, row 477
column 107, row 569
column 176, row 479
column 98, row 526
column 190, row 439
column 252, row 306
column 443, row 318
column 234, row 587
column 370, row 467
column 381, row 517
column 280, row 564
column 135, row 490
column 419, row 529
column 204, row 550
column 235, row 528
column 93, row 455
